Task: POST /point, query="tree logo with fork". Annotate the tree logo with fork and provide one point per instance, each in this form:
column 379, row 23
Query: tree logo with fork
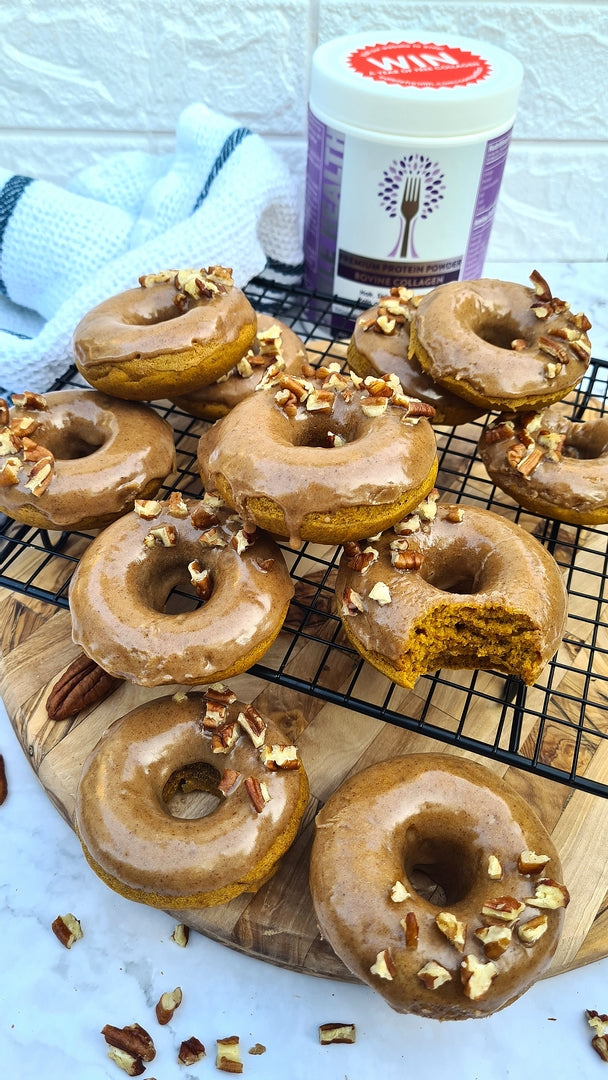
column 412, row 187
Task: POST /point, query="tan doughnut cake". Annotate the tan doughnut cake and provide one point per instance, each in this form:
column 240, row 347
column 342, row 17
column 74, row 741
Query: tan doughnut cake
column 497, row 913
column 180, row 330
column 380, row 343
column 325, row 457
column 501, row 345
column 76, row 459
column 452, row 586
column 189, row 742
column 121, row 584
column 276, row 348
column 551, row 465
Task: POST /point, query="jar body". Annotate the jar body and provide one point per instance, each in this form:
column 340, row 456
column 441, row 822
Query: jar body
column 385, row 210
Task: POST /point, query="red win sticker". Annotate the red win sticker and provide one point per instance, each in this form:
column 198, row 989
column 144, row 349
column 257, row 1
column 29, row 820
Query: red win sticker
column 419, row 64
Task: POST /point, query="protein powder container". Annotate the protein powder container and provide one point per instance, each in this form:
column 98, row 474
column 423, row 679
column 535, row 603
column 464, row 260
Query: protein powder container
column 408, row 135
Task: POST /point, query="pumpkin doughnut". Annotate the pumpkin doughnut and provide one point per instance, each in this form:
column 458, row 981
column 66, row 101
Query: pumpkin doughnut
column 550, row 465
column 452, row 586
column 177, row 744
column 276, row 348
column 325, row 457
column 500, row 345
column 492, row 915
column 179, row 331
column 76, row 459
column 380, row 343
column 120, row 587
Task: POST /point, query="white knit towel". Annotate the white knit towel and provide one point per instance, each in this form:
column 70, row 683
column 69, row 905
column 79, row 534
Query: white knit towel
column 224, row 197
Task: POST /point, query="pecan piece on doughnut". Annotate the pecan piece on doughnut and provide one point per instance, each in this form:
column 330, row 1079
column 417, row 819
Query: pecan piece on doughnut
column 82, row 684
column 477, row 977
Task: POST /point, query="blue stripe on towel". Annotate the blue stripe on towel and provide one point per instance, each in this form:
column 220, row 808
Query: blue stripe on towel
column 234, row 139
column 286, row 269
column 9, row 197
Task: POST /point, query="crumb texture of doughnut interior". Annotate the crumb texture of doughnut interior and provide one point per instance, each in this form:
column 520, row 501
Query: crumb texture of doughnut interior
column 468, row 589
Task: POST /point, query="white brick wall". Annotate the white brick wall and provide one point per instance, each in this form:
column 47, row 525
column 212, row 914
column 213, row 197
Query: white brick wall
column 79, row 81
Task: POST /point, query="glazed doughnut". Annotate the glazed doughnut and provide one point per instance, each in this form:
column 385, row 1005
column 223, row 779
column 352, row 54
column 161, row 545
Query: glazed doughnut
column 380, row 343
column 120, row 588
column 276, row 348
column 325, row 457
column 182, row 743
column 456, row 587
column 76, row 459
column 180, row 330
column 550, row 465
column 500, row 345
column 495, row 919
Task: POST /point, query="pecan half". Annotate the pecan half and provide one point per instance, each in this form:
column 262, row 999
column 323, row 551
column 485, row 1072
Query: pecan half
column 82, row 684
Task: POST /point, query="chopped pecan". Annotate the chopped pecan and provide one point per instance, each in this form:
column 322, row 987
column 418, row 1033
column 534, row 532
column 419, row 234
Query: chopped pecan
column 433, row 975
column 258, row 793
column 477, row 977
column 505, row 908
column 549, row 894
column 82, row 684
column 40, row 475
column 600, row 1045
column 165, row 535
column 530, row 932
column 147, row 509
column 279, row 756
column 541, row 288
column 495, row 939
column 181, row 934
column 597, row 1021
column 225, row 737
column 191, row 1050
column 167, row 1004
column 228, row 780
column 253, row 724
column 201, row 580
column 494, row 868
column 410, row 927
column 130, row 1047
column 380, row 593
column 4, row 414
column 336, row 1033
column 384, row 966
column 399, row 893
column 67, row 929
column 352, row 601
column 9, row 473
column 529, row 862
column 454, row 929
column 228, row 1055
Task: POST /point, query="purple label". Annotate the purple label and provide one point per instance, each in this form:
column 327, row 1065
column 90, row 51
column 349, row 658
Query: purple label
column 485, row 205
column 323, row 184
column 386, row 273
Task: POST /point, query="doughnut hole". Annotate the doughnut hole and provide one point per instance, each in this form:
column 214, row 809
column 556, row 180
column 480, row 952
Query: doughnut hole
column 499, row 332
column 586, row 442
column 317, row 428
column 81, row 440
column 441, row 869
column 192, row 790
column 166, row 581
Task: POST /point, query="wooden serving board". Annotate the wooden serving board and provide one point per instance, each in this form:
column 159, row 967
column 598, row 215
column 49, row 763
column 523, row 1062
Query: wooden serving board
column 277, row 924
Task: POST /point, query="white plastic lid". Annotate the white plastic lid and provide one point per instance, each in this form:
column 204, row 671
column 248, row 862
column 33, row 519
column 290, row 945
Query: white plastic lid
column 406, row 82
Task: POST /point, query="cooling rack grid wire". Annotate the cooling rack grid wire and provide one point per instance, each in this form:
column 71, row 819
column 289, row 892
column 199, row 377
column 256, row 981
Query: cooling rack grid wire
column 557, row 728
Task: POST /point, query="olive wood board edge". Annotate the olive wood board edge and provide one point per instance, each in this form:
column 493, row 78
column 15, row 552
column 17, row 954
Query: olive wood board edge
column 277, row 924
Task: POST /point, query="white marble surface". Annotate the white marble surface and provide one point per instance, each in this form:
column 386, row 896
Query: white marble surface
column 53, row 1002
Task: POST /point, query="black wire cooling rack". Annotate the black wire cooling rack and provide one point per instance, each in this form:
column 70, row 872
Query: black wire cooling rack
column 557, row 729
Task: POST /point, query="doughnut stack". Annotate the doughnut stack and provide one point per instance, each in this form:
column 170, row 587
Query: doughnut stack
column 340, row 455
